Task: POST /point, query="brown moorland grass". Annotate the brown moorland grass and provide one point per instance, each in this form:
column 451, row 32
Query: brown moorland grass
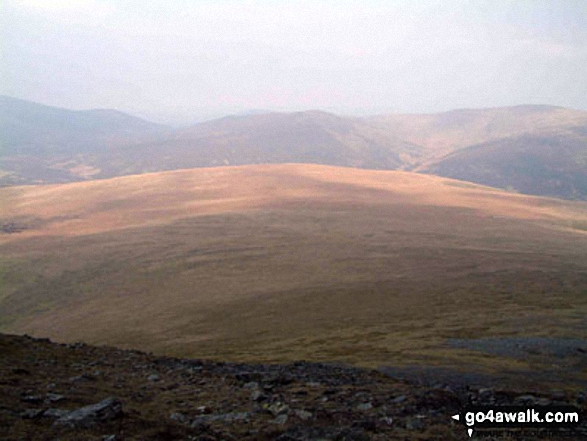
column 284, row 262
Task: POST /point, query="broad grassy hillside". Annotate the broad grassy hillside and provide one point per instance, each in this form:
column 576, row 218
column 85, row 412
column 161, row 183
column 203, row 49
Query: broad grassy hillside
column 275, row 263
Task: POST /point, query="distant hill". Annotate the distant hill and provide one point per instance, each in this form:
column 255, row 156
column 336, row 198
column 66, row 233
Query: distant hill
column 511, row 147
column 300, row 137
column 441, row 133
column 539, row 150
column 41, row 143
column 28, row 128
column 550, row 165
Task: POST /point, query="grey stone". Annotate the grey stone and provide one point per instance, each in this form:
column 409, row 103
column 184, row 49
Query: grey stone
column 55, row 413
column 387, row 420
column 281, row 419
column 153, row 377
column 224, row 417
column 251, row 385
column 179, row 417
column 303, row 414
column 54, row 398
column 257, row 396
column 81, row 378
column 364, row 406
column 106, row 410
column 278, row 408
column 30, row 414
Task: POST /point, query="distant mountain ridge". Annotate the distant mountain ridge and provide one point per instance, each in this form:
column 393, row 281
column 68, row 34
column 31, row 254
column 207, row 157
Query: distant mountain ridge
column 28, row 128
column 534, row 149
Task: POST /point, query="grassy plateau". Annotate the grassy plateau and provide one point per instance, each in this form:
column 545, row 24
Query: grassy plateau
column 275, row 263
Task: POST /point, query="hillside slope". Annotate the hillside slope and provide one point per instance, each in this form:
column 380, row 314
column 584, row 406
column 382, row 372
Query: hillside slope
column 552, row 164
column 288, row 262
column 41, row 143
column 444, row 133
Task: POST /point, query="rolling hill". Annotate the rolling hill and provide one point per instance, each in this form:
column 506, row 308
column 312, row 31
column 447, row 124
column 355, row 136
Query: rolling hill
column 41, row 143
column 289, row 262
column 444, row 133
column 301, row 137
column 530, row 149
column 550, row 164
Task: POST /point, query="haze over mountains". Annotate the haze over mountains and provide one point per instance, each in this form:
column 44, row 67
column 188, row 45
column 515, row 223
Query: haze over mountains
column 538, row 150
column 238, row 239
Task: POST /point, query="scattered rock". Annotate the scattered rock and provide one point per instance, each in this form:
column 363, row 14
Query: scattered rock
column 224, row 417
column 281, row 419
column 54, row 398
column 257, row 396
column 153, row 377
column 251, row 385
column 179, row 417
column 210, row 401
column 30, row 414
column 304, row 415
column 83, row 377
column 387, row 420
column 364, row 406
column 106, row 410
column 55, row 413
column 278, row 408
column 485, row 396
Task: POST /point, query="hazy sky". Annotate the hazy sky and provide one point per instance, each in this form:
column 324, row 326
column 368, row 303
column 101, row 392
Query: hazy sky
column 182, row 60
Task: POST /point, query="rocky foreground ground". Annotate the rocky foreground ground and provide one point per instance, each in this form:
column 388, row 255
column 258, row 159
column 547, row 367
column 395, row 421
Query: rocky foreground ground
column 78, row 392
